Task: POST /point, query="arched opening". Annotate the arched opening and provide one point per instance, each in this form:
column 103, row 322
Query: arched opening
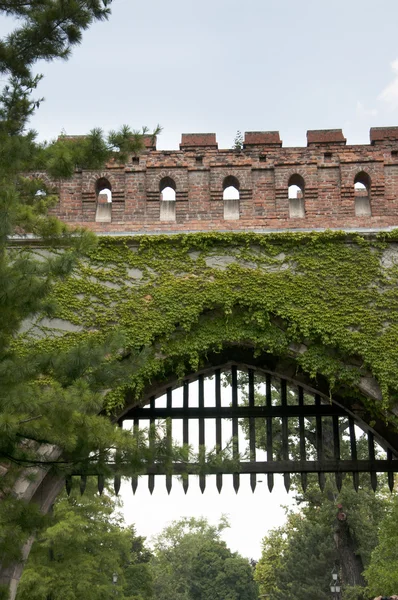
column 103, row 191
column 234, row 395
column 362, row 194
column 296, row 187
column 231, row 197
column 167, row 189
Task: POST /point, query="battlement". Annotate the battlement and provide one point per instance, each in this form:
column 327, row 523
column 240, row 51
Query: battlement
column 263, row 185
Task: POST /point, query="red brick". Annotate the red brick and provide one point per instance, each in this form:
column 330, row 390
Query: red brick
column 325, row 136
column 263, row 170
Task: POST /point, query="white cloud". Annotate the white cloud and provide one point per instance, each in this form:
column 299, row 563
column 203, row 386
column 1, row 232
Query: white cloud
column 390, row 93
column 366, row 112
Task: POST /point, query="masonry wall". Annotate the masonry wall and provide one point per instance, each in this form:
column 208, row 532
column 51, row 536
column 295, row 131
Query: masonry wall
column 262, row 171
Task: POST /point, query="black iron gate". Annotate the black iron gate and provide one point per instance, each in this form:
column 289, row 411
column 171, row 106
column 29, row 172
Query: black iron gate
column 294, row 428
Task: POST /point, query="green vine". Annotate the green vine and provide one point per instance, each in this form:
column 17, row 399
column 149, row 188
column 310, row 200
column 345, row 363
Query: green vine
column 176, row 298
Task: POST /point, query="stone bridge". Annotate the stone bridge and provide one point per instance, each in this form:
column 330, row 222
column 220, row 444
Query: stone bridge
column 259, row 283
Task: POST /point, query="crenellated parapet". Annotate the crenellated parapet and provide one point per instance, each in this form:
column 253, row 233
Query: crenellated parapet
column 262, row 186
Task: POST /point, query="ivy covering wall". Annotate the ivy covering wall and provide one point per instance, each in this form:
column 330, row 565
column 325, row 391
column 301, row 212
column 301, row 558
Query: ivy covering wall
column 176, row 298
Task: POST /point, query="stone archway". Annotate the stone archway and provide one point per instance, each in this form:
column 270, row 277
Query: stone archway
column 47, row 484
column 300, row 305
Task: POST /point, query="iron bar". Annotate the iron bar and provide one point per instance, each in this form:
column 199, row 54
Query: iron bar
column 319, row 440
column 372, row 457
column 134, row 479
column 68, row 484
column 310, row 466
column 336, row 449
column 202, row 442
column 241, row 411
column 252, row 430
column 235, row 425
column 100, row 484
column 169, row 436
column 185, row 428
column 218, row 424
column 268, row 395
column 303, row 455
column 151, row 478
column 390, row 474
column 83, row 484
column 354, row 454
column 117, row 481
column 285, row 433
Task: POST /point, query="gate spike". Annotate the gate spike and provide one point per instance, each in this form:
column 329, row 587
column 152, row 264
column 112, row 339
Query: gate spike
column 339, row 481
column 355, row 480
column 253, row 481
column 202, row 483
column 391, row 481
column 219, row 482
column 169, row 483
column 101, row 484
column 270, row 481
column 321, row 481
column 83, row 483
column 185, row 484
column 390, row 474
column 151, row 483
column 304, row 481
column 286, row 478
column 236, row 480
column 68, row 484
column 134, row 484
column 372, row 458
column 116, row 484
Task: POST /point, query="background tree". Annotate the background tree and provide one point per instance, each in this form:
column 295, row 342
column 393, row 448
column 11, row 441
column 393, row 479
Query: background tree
column 345, row 536
column 191, row 562
column 270, row 564
column 84, row 545
column 382, row 571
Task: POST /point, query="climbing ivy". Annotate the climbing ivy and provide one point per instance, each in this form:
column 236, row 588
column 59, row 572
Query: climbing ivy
column 331, row 295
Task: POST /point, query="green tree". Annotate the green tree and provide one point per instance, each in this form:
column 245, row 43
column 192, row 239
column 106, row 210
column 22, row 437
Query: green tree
column 78, row 554
column 298, row 557
column 382, row 571
column 271, row 562
column 47, row 398
column 137, row 573
column 191, row 562
column 346, row 541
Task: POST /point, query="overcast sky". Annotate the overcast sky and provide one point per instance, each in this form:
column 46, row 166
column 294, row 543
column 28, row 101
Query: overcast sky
column 250, row 514
column 223, row 65
column 219, row 66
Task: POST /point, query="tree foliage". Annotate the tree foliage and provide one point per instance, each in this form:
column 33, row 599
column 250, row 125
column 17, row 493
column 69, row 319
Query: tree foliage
column 191, row 562
column 82, row 549
column 48, row 399
column 382, row 571
column 333, row 527
column 297, row 558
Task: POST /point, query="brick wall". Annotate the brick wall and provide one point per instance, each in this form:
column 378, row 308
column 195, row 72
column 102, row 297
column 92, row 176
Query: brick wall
column 263, row 170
